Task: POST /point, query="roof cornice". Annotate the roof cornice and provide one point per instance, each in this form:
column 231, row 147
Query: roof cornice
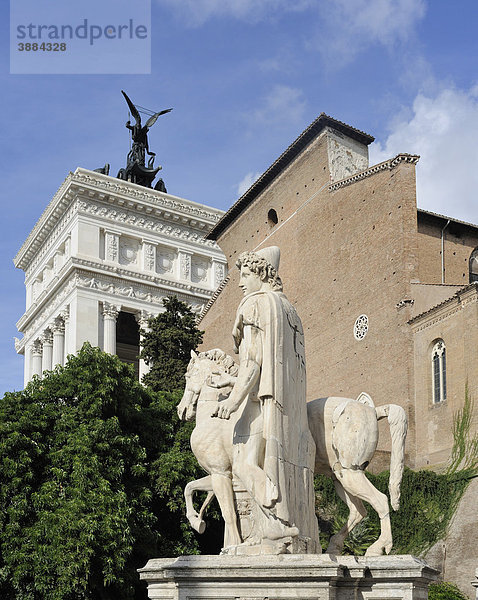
column 113, row 191
column 444, row 218
column 449, row 306
column 383, row 166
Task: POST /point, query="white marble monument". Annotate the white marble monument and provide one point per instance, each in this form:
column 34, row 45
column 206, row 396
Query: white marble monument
column 260, row 443
column 99, row 261
column 262, row 454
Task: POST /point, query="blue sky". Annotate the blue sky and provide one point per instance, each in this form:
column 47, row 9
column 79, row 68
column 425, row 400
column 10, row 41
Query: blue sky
column 245, row 77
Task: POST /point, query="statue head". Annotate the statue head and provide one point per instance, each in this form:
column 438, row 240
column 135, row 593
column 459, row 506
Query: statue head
column 259, row 270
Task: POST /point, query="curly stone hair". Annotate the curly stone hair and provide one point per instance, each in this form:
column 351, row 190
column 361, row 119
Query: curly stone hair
column 221, row 358
column 261, row 267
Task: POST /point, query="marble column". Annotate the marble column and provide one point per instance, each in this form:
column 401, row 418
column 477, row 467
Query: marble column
column 142, row 319
column 110, row 314
column 47, row 357
column 36, row 358
column 58, row 329
column 65, row 315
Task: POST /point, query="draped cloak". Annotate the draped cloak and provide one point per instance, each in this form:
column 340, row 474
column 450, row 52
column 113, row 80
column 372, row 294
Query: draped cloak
column 289, row 448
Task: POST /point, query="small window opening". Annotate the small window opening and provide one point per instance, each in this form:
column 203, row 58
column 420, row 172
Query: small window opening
column 272, row 217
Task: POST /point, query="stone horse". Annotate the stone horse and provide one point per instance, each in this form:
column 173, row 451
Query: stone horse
column 345, row 432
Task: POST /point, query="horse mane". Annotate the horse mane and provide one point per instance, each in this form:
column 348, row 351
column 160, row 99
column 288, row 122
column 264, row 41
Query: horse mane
column 222, row 359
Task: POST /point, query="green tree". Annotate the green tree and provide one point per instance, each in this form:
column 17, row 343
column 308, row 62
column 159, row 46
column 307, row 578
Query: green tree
column 167, row 345
column 75, row 482
column 167, row 348
column 92, row 471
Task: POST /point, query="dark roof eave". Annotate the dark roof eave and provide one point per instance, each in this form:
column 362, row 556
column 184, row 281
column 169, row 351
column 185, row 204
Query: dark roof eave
column 443, row 218
column 304, row 139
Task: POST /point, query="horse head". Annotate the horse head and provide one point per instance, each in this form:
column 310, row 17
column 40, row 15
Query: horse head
column 199, row 373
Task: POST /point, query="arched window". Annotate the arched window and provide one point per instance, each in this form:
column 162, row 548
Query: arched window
column 272, row 217
column 439, row 371
column 473, row 266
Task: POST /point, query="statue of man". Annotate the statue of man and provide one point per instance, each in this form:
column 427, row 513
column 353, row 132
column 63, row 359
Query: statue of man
column 273, row 455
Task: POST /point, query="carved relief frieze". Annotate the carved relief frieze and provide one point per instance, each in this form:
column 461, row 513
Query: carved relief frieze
column 149, row 223
column 149, row 253
column 152, row 279
column 129, row 249
column 50, row 241
column 185, row 265
column 197, row 307
column 199, row 270
column 50, row 309
column 219, row 274
column 59, row 214
column 116, row 187
column 111, row 246
column 165, row 260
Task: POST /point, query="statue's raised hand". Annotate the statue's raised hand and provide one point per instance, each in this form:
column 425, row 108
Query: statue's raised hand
column 220, row 380
column 225, row 408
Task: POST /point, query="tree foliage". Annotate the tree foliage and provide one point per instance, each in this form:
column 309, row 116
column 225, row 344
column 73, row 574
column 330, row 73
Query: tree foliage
column 167, row 345
column 445, row 591
column 91, row 474
column 167, row 349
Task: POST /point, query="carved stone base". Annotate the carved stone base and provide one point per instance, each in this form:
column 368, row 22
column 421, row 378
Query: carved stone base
column 250, row 520
column 288, row 577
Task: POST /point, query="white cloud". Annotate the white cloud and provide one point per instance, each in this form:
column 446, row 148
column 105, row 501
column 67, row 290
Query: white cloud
column 246, row 182
column 349, row 27
column 443, row 130
column 282, row 105
column 196, row 12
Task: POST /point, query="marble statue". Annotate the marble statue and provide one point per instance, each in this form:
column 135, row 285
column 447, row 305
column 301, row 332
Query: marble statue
column 260, row 442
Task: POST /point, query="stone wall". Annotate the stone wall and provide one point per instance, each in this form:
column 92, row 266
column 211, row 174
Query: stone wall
column 455, row 322
column 459, row 242
column 345, row 253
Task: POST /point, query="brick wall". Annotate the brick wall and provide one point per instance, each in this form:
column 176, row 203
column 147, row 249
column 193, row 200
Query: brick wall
column 343, row 253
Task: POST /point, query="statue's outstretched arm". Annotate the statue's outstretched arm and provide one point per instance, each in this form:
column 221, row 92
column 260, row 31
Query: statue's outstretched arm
column 248, row 374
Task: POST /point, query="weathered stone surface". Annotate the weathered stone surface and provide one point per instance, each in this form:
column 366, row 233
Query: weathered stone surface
column 321, row 577
column 255, row 431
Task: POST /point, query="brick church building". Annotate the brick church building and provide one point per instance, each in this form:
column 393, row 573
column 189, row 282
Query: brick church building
column 387, row 293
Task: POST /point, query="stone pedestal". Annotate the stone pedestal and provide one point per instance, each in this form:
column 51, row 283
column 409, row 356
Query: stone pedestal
column 287, row 577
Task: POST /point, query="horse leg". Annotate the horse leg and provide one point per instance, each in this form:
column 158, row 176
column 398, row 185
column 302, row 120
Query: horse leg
column 195, row 519
column 357, row 512
column 222, row 486
column 357, row 484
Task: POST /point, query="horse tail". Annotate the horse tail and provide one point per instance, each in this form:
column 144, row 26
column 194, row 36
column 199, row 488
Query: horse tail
column 398, row 423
